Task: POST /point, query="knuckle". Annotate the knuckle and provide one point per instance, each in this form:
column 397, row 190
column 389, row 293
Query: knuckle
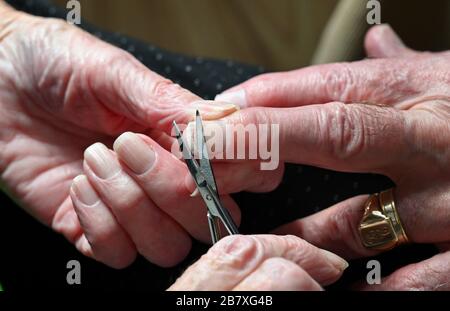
column 344, row 130
column 162, row 87
column 245, row 117
column 124, row 195
column 293, row 240
column 340, row 81
column 166, row 90
column 299, row 247
column 234, row 251
column 129, row 203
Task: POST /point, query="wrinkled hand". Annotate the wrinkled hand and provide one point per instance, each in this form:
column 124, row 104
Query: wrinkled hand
column 389, row 115
column 262, row 262
column 62, row 90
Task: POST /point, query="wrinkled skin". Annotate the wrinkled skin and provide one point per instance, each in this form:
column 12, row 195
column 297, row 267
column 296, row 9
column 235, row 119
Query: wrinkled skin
column 262, row 262
column 328, row 118
column 62, row 90
column 388, row 115
column 342, row 129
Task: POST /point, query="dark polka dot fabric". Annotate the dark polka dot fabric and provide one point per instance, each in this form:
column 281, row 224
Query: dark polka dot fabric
column 35, row 257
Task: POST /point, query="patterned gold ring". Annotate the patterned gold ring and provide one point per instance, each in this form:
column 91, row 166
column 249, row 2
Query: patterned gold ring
column 380, row 227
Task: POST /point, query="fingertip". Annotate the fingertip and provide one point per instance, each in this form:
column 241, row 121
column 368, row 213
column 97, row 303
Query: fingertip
column 119, row 260
column 337, row 266
column 338, row 262
column 139, row 156
column 101, row 237
column 236, row 96
column 119, row 142
column 65, row 221
column 82, row 191
column 92, row 150
column 175, row 255
column 382, row 42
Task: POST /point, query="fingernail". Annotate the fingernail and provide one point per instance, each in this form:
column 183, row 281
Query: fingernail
column 211, row 110
column 84, row 192
column 135, row 152
column 235, row 97
column 335, row 260
column 101, row 161
column 195, row 193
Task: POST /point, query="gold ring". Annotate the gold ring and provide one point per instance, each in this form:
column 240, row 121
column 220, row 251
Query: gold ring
column 380, row 227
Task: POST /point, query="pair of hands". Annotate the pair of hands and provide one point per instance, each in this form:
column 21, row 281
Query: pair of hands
column 62, row 91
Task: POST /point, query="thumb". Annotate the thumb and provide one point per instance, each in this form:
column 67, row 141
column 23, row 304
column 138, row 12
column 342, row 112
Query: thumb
column 382, row 42
column 132, row 90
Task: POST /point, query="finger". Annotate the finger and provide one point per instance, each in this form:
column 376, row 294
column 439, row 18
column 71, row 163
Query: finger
column 156, row 235
column 112, row 91
column 278, row 274
column 131, row 89
column 232, row 170
column 373, row 81
column 429, row 275
column 243, row 176
column 103, row 238
column 247, row 176
column 423, row 216
column 234, row 258
column 345, row 137
column 382, row 42
column 163, row 177
column 162, row 138
column 334, row 229
column 67, row 222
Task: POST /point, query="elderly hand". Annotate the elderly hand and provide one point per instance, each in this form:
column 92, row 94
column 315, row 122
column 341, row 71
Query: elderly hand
column 262, row 262
column 62, row 90
column 389, row 115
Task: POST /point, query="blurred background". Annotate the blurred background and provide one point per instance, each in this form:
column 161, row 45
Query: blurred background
column 279, row 35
